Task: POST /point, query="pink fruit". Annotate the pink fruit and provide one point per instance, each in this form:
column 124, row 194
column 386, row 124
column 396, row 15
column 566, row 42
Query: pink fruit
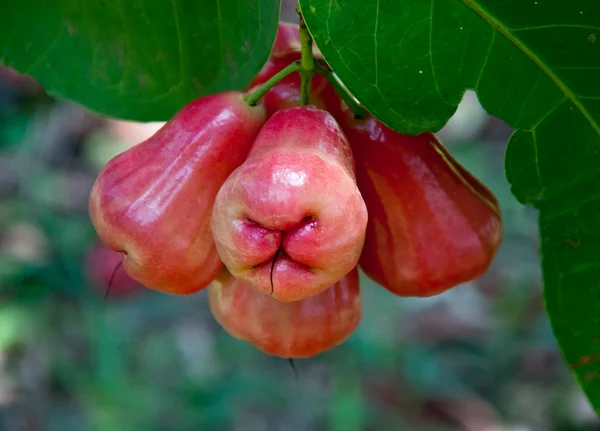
column 432, row 225
column 299, row 329
column 153, row 202
column 286, row 41
column 290, row 220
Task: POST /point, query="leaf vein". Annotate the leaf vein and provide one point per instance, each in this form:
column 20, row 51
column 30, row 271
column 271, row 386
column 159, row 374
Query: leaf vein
column 487, row 17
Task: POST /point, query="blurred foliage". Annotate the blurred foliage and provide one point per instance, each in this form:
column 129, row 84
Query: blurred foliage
column 138, row 60
column 480, row 357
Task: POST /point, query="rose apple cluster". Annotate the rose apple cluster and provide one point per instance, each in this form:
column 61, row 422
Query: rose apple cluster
column 274, row 207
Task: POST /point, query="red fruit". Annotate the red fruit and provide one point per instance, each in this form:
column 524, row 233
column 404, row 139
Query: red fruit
column 154, row 201
column 432, row 225
column 103, row 267
column 286, row 93
column 286, row 41
column 294, row 199
column 299, row 329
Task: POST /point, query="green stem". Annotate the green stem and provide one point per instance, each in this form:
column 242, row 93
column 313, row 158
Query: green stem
column 253, row 98
column 359, row 111
column 307, row 63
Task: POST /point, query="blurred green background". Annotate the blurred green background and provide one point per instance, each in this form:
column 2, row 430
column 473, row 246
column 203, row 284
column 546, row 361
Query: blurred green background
column 479, row 357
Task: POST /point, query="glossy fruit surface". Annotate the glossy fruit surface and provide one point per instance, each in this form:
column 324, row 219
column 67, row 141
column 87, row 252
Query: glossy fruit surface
column 295, row 201
column 299, row 329
column 154, row 201
column 432, row 225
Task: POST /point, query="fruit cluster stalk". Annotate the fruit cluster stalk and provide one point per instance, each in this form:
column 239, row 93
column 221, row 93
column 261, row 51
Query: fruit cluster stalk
column 308, row 66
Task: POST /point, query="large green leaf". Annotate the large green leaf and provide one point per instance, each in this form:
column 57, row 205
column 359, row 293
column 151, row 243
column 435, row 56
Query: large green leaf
column 534, row 64
column 139, row 60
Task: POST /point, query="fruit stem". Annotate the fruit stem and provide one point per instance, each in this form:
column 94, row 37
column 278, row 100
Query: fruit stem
column 340, row 88
column 253, row 98
column 307, row 61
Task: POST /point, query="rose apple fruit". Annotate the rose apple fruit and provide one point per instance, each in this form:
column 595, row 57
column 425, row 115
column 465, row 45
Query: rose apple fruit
column 299, row 329
column 432, row 225
column 287, row 41
column 154, row 201
column 290, row 221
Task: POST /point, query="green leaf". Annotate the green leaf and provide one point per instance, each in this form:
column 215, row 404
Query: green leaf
column 534, row 64
column 140, row 60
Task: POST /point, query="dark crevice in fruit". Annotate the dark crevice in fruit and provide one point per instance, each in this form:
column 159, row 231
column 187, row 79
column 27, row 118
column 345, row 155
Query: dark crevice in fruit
column 254, row 223
column 273, row 267
column 309, row 219
column 308, row 222
column 279, row 254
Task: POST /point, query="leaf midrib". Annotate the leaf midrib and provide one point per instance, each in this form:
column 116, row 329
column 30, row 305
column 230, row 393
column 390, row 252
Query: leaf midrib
column 497, row 25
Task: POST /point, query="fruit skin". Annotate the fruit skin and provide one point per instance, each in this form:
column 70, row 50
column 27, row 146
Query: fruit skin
column 295, row 198
column 432, row 225
column 102, row 264
column 287, row 41
column 286, row 93
column 154, row 201
column 299, row 329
